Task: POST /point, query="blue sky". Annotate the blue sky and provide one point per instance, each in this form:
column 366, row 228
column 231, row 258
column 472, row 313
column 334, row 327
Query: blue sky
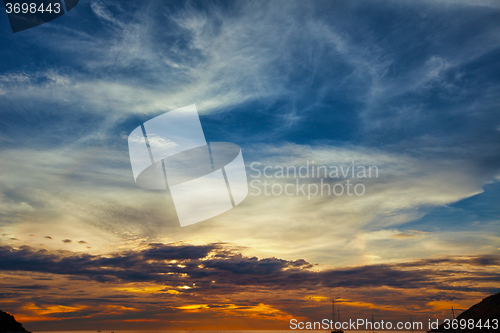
column 409, row 86
column 409, row 83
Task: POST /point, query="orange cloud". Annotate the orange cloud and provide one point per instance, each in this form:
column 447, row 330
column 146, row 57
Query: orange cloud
column 149, row 289
column 369, row 305
column 51, row 309
column 193, row 307
column 445, row 305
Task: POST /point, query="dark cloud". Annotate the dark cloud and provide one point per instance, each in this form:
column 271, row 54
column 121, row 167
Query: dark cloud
column 66, row 240
column 162, row 251
column 82, row 242
column 31, row 287
column 483, row 260
column 48, row 237
column 179, row 265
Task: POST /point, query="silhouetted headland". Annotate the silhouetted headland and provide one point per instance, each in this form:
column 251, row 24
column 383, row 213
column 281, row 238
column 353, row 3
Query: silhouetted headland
column 8, row 324
column 486, row 310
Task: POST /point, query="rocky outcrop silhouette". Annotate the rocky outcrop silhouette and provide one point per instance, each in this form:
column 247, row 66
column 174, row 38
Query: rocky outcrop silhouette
column 8, row 324
column 486, row 310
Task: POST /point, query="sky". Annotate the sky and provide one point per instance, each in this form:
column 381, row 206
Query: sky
column 409, row 87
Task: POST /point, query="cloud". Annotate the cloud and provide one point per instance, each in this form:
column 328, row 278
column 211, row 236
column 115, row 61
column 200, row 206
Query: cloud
column 90, row 194
column 179, row 265
column 311, row 81
column 190, row 282
column 103, row 13
column 290, row 82
column 472, row 3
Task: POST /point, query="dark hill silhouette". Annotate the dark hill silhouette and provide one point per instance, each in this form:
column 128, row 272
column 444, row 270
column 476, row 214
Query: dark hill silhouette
column 8, row 324
column 487, row 309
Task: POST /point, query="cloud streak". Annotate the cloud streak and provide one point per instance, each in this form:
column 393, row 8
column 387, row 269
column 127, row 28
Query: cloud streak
column 179, row 265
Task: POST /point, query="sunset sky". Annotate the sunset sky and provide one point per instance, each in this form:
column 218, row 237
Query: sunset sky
column 411, row 87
